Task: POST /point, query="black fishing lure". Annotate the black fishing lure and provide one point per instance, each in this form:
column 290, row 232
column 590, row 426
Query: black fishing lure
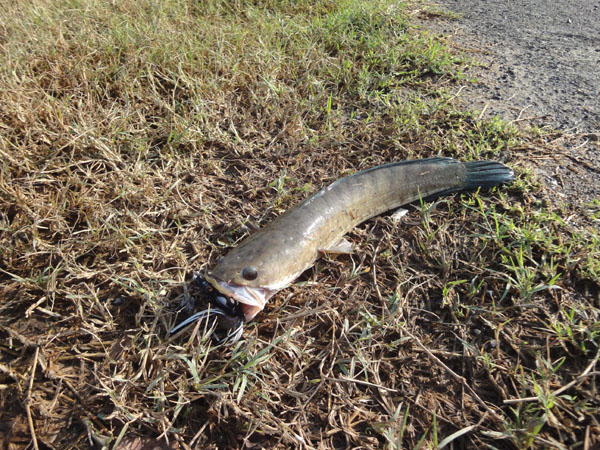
column 227, row 311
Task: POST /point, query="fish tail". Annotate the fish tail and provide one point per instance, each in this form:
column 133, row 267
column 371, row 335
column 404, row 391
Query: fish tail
column 478, row 175
column 486, row 175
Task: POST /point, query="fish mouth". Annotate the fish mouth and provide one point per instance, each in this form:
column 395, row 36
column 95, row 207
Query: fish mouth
column 252, row 299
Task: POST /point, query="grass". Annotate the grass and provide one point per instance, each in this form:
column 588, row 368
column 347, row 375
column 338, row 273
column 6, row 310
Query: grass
column 142, row 140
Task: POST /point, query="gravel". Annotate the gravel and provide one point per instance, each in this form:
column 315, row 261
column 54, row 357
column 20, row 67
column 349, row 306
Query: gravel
column 542, row 58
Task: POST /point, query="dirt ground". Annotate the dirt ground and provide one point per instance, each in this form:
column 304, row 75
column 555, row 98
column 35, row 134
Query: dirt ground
column 541, row 59
column 540, row 65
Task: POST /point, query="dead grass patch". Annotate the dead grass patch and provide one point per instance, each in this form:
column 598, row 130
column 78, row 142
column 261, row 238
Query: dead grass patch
column 139, row 140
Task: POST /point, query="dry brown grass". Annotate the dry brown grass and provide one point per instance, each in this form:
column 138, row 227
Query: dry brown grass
column 140, row 140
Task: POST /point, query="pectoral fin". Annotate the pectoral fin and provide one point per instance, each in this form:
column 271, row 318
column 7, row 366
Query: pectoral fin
column 399, row 214
column 342, row 246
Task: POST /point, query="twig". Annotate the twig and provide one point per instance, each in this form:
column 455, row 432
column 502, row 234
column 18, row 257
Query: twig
column 518, row 119
column 586, row 441
column 455, row 95
column 374, row 272
column 527, row 118
column 583, row 374
column 297, row 315
column 34, row 306
column 485, row 107
column 366, row 383
column 28, row 399
column 456, row 376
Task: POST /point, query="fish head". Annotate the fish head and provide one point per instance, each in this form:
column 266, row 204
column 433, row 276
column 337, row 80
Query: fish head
column 251, row 299
column 251, row 274
column 241, row 283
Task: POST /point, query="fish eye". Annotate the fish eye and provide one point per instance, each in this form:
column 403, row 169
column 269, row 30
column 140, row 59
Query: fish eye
column 249, row 273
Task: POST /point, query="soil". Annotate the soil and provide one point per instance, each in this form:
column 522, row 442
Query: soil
column 540, row 65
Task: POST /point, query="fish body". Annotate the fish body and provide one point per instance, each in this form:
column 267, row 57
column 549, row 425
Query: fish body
column 276, row 255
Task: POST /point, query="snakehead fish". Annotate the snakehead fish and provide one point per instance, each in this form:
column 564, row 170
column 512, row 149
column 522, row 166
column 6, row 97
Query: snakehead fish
column 276, row 255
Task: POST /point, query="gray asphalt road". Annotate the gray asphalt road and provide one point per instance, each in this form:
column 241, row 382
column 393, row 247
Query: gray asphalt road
column 543, row 57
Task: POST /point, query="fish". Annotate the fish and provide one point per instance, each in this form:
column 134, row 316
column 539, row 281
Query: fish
column 272, row 258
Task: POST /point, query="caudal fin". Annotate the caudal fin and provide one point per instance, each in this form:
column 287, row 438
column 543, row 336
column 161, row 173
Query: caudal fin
column 486, row 174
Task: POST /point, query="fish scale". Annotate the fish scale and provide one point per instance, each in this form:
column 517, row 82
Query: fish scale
column 277, row 254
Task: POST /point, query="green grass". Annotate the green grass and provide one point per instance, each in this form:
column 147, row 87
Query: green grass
column 141, row 140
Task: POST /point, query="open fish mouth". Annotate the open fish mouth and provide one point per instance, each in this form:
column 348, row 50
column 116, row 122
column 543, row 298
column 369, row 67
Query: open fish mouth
column 252, row 299
column 233, row 333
